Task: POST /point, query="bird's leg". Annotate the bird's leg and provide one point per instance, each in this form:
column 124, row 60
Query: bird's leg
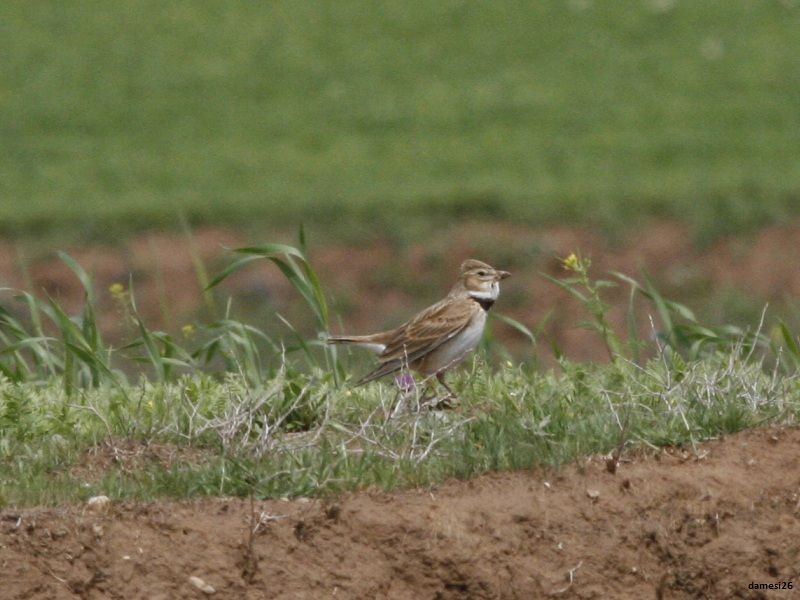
column 445, row 402
column 425, row 397
column 440, row 379
column 429, row 397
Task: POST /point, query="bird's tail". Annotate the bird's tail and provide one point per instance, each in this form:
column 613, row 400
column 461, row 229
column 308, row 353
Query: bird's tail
column 363, row 341
column 345, row 339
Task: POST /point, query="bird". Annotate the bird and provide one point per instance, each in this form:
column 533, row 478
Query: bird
column 440, row 336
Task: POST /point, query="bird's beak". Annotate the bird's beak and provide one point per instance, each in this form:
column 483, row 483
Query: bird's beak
column 503, row 274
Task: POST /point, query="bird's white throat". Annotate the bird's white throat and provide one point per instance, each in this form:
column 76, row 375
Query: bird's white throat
column 491, row 294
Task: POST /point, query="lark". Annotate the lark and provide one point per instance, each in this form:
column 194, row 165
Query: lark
column 441, row 336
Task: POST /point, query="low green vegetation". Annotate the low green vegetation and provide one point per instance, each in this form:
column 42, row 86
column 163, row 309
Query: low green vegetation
column 227, row 410
column 300, row 434
column 120, row 114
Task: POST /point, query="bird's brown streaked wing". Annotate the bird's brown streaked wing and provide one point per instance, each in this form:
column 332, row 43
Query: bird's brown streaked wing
column 429, row 329
column 423, row 334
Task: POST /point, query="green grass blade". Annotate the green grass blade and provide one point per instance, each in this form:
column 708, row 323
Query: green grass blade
column 790, row 342
column 84, row 278
column 566, row 285
column 516, row 325
column 230, row 270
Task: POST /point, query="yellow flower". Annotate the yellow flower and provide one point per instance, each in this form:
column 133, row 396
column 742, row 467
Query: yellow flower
column 116, row 289
column 187, row 330
column 571, row 263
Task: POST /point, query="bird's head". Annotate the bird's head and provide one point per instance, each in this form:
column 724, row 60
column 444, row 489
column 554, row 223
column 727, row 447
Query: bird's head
column 479, row 280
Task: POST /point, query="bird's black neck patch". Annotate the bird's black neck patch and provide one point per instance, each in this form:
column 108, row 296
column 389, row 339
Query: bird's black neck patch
column 485, row 303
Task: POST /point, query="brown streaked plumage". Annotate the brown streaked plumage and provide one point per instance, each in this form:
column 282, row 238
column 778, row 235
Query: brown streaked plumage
column 440, row 336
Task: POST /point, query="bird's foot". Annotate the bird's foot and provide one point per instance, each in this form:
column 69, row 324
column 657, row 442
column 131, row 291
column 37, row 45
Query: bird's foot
column 447, row 402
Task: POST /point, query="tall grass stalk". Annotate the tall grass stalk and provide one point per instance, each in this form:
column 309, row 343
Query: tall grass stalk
column 297, row 269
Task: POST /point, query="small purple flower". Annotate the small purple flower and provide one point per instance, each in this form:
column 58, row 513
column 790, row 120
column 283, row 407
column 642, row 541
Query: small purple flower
column 405, row 381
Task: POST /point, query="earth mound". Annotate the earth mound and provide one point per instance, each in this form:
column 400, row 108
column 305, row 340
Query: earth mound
column 703, row 522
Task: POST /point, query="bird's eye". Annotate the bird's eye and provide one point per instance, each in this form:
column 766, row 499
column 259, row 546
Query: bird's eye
column 481, row 273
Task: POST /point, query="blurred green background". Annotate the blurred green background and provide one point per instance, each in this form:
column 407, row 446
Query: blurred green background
column 117, row 115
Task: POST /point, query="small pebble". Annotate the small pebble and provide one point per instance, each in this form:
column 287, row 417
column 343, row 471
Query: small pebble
column 201, row 585
column 98, row 503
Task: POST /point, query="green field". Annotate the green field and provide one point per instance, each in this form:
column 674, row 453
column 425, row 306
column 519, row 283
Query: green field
column 124, row 113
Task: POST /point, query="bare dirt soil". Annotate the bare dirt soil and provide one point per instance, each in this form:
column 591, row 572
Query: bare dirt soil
column 677, row 523
column 378, row 283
